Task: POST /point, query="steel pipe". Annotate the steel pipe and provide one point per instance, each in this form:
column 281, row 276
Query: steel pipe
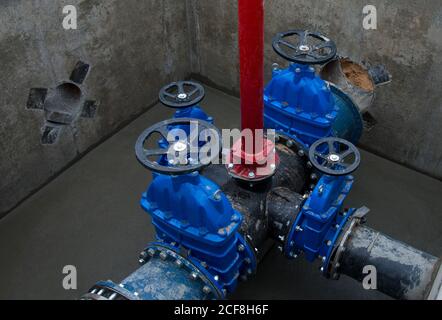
column 403, row 272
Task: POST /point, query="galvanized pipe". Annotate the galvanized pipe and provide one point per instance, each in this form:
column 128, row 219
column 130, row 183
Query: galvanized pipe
column 402, row 271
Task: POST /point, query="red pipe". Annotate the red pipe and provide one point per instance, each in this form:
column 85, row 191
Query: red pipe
column 251, row 51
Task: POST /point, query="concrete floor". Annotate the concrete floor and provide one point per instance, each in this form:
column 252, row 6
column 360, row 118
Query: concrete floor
column 89, row 217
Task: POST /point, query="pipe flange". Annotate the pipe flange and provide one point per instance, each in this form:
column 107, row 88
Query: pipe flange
column 196, row 271
column 331, row 269
column 107, row 290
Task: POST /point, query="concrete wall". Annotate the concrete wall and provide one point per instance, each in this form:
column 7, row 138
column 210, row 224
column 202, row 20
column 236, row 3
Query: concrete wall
column 407, row 41
column 134, row 47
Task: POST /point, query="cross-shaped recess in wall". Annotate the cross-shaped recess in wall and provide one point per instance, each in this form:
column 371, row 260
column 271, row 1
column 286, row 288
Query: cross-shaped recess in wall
column 63, row 104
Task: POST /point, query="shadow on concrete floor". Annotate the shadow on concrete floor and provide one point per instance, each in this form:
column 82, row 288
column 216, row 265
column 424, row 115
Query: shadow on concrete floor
column 89, row 217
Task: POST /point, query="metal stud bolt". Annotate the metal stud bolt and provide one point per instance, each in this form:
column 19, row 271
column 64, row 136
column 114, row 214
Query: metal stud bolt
column 194, row 276
column 207, row 290
column 217, row 195
column 179, row 263
column 241, row 248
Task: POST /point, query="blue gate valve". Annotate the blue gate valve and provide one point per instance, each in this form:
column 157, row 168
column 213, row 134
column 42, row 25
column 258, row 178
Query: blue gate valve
column 298, row 103
column 317, row 227
column 190, row 212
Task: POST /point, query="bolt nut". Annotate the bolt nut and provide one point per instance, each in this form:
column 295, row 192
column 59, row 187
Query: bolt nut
column 207, row 290
column 179, row 263
column 241, row 248
column 251, row 174
column 151, row 252
column 301, row 153
column 194, row 276
column 217, row 195
column 163, row 255
column 141, row 261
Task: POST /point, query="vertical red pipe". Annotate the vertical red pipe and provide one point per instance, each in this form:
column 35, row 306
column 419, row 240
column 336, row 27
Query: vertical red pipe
column 251, row 51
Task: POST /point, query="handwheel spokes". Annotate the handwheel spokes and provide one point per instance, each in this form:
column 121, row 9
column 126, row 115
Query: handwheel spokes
column 306, row 50
column 287, row 44
column 155, row 152
column 181, row 94
column 334, row 161
column 183, row 155
column 331, row 147
column 345, row 154
column 303, row 38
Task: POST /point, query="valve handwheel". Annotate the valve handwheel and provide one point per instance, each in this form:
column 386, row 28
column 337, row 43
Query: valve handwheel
column 186, row 155
column 182, row 94
column 334, row 156
column 306, row 47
